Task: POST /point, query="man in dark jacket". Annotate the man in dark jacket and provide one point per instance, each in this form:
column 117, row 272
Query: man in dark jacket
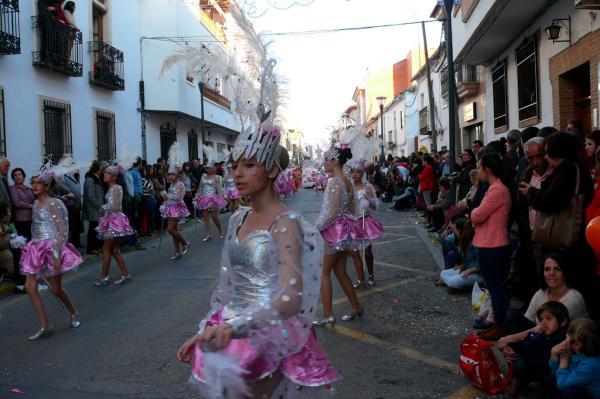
column 93, row 198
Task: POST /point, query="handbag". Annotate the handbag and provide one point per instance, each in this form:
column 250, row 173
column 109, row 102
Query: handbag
column 560, row 230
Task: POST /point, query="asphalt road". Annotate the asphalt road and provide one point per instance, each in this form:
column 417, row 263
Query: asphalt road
column 406, row 346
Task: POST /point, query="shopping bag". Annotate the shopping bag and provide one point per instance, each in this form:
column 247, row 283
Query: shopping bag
column 478, row 297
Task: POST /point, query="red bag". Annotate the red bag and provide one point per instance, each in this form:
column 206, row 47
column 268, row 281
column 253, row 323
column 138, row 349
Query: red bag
column 480, row 366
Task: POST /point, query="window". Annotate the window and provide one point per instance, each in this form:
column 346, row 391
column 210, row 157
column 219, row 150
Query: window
column 168, row 135
column 499, row 95
column 105, row 135
column 2, row 125
column 192, row 144
column 99, row 11
column 57, row 129
column 10, row 42
column 527, row 78
column 444, row 82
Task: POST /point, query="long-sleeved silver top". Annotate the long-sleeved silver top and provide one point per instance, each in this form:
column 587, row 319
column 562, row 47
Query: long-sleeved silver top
column 209, row 185
column 50, row 221
column 253, row 284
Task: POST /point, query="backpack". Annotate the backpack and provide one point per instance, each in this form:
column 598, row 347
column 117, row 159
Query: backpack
column 479, row 364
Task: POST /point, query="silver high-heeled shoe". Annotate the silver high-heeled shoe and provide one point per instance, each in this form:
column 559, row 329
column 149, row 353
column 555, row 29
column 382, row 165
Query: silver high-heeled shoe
column 101, row 282
column 207, row 238
column 325, row 321
column 371, row 280
column 359, row 284
column 75, row 323
column 176, row 256
column 44, row 332
column 123, row 280
column 354, row 313
column 185, row 248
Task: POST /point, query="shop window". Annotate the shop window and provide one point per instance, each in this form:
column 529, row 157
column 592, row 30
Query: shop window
column 105, row 135
column 57, row 129
column 500, row 95
column 527, row 79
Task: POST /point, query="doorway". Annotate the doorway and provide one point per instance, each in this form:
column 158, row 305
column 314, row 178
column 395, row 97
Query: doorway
column 470, row 134
column 575, row 98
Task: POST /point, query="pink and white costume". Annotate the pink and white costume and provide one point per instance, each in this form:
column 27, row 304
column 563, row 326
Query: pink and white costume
column 174, row 207
column 366, row 200
column 336, row 221
column 268, row 292
column 49, row 234
column 210, row 194
column 113, row 223
column 231, row 190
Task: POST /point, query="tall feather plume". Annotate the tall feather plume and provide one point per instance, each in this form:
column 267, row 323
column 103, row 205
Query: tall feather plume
column 175, row 159
column 67, row 164
column 210, row 154
column 126, row 157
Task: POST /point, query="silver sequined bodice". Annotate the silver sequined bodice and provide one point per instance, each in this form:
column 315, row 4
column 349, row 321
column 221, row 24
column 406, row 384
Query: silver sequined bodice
column 209, row 186
column 361, row 194
column 345, row 205
column 45, row 224
column 113, row 199
column 229, row 183
column 253, row 283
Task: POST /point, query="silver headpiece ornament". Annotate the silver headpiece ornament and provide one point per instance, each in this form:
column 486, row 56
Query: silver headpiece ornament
column 66, row 165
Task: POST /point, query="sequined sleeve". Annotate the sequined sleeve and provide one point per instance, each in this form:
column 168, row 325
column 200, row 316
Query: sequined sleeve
column 371, row 197
column 331, row 206
column 59, row 217
column 219, row 183
column 280, row 327
column 114, row 199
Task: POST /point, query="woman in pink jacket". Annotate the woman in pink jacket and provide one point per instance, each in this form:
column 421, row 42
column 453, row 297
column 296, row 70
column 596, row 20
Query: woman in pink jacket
column 490, row 220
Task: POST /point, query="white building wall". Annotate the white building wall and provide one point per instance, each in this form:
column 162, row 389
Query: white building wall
column 25, row 85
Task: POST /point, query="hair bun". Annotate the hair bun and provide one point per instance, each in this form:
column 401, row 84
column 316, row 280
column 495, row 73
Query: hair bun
column 347, row 153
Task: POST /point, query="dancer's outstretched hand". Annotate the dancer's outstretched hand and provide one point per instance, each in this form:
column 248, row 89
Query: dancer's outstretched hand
column 217, row 337
column 184, row 354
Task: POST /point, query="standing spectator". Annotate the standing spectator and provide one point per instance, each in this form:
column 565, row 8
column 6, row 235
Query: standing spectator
column 427, row 180
column 149, row 204
column 138, row 192
column 71, row 182
column 196, row 170
column 490, row 220
column 160, row 192
column 592, row 143
column 476, row 146
column 4, row 189
column 463, row 180
column 22, row 199
column 189, row 182
column 93, row 199
column 513, row 140
column 69, row 13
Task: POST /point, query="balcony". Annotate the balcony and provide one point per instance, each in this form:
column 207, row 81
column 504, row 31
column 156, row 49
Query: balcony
column 216, row 97
column 108, row 66
column 424, row 122
column 467, row 81
column 10, row 42
column 60, row 47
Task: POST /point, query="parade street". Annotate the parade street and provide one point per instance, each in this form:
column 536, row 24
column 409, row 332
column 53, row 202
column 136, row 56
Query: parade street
column 407, row 345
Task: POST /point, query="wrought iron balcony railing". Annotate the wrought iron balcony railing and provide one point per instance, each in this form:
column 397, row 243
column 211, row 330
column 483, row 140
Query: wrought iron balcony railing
column 60, row 47
column 216, row 97
column 107, row 66
column 10, row 41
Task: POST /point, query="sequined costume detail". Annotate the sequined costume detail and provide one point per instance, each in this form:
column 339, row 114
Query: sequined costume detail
column 210, row 194
column 113, row 223
column 336, row 221
column 268, row 292
column 230, row 189
column 49, row 234
column 366, row 201
column 174, row 207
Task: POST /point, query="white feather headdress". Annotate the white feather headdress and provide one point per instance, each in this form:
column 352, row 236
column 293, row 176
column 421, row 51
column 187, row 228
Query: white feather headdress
column 210, row 154
column 124, row 161
column 65, row 165
column 175, row 161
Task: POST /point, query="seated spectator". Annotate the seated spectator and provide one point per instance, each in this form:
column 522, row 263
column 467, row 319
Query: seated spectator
column 406, row 199
column 555, row 287
column 466, row 273
column 528, row 352
column 575, row 363
column 464, row 203
column 439, row 210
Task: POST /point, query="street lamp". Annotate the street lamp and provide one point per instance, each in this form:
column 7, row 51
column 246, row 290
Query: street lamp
column 381, row 104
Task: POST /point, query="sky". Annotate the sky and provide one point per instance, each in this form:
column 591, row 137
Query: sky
column 324, row 69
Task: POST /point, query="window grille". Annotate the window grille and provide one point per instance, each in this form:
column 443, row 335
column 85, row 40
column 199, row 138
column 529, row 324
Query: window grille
column 57, row 129
column 106, row 135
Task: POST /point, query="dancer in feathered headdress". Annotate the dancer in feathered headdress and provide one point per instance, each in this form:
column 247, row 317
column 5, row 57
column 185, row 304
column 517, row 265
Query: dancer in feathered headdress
column 231, row 192
column 48, row 255
column 174, row 208
column 259, row 325
column 210, row 197
column 366, row 201
column 113, row 223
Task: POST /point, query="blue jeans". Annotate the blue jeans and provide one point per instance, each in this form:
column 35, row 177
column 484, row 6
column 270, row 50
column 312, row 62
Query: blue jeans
column 450, row 251
column 494, row 266
column 453, row 279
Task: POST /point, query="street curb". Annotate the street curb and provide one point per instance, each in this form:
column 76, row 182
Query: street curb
column 432, row 247
column 7, row 288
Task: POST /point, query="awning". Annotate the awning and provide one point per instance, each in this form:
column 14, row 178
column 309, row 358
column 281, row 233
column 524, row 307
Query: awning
column 504, row 22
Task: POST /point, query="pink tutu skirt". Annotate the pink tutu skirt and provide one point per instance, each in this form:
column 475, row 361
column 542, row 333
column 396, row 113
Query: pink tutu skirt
column 310, row 367
column 209, row 201
column 175, row 210
column 343, row 234
column 37, row 259
column 114, row 225
column 233, row 194
column 372, row 230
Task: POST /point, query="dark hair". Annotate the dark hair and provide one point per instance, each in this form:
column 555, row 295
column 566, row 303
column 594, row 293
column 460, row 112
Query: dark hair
column 444, row 183
column 471, row 153
column 69, row 6
column 344, row 154
column 478, row 142
column 585, row 331
column 492, row 161
column 15, row 170
column 595, row 137
column 284, row 158
column 497, row 146
column 546, row 131
column 563, row 263
column 466, row 234
column 427, row 158
column 561, row 145
column 94, row 167
column 556, row 309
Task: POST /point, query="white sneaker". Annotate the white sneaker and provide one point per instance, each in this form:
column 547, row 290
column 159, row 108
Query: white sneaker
column 42, row 287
